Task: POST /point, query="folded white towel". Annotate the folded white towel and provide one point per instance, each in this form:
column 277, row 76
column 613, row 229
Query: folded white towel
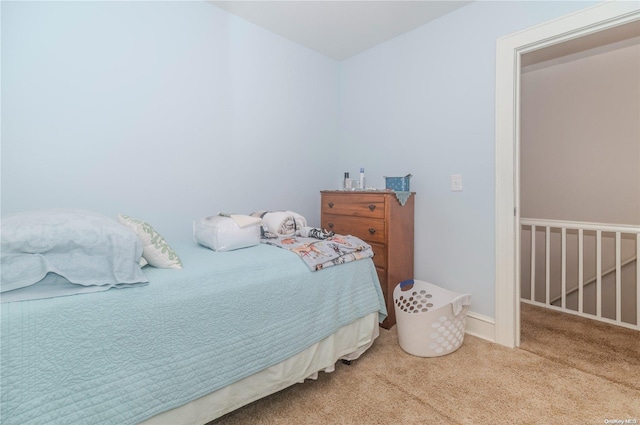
column 245, row 220
column 459, row 302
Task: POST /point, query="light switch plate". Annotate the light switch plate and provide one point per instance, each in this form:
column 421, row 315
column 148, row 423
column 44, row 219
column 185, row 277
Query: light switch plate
column 456, row 182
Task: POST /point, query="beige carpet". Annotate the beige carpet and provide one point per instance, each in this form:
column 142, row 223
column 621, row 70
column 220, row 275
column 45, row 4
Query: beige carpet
column 568, row 370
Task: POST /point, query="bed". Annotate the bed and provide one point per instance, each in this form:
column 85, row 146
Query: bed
column 189, row 345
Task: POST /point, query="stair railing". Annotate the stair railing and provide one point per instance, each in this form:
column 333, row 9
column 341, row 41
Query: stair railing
column 581, row 227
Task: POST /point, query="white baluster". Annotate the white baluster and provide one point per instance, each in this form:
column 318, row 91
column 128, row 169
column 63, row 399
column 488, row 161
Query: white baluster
column 564, row 267
column 548, row 265
column 638, row 281
column 580, row 270
column 599, row 273
column 618, row 279
column 532, row 283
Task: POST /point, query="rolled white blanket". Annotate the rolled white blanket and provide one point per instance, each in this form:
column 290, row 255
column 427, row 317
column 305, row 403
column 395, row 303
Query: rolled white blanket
column 281, row 222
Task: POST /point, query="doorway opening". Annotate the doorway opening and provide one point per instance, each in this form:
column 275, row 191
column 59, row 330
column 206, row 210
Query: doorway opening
column 579, row 171
column 510, row 50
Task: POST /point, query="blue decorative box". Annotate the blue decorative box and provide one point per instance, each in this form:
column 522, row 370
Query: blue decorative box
column 398, row 184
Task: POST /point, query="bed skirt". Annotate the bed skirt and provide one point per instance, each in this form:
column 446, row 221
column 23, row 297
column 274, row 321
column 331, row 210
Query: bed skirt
column 348, row 343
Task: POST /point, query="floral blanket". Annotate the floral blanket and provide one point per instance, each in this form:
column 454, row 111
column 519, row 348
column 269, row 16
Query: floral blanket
column 320, row 254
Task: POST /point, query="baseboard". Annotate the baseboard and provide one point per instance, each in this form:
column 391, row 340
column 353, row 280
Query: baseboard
column 481, row 326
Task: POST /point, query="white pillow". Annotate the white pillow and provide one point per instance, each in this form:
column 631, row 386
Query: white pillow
column 84, row 247
column 155, row 249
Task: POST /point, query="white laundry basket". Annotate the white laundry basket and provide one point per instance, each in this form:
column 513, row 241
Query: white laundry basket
column 430, row 320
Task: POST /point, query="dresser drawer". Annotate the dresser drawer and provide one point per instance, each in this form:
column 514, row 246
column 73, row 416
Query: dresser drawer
column 369, row 230
column 358, row 205
column 379, row 255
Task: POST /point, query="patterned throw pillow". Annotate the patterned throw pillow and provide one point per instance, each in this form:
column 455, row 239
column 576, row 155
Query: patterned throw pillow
column 156, row 251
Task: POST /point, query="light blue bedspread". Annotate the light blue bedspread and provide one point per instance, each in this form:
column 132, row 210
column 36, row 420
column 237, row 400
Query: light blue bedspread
column 124, row 355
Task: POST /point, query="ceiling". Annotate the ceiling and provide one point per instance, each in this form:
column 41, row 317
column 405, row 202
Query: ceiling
column 340, row 29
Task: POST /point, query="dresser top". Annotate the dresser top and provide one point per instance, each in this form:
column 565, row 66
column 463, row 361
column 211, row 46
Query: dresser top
column 373, row 192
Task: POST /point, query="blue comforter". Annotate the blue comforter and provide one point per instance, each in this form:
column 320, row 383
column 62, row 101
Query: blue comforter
column 124, row 355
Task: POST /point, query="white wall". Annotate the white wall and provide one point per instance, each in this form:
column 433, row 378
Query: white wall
column 423, row 103
column 580, row 136
column 166, row 111
column 173, row 110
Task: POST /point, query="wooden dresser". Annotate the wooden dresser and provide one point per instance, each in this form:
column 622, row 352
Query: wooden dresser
column 380, row 220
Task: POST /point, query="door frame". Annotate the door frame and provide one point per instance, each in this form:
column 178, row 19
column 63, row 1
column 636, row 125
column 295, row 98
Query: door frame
column 509, row 49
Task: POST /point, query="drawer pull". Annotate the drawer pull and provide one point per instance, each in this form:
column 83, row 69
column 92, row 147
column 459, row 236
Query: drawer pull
column 330, row 204
column 330, row 225
column 372, row 230
column 372, row 207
